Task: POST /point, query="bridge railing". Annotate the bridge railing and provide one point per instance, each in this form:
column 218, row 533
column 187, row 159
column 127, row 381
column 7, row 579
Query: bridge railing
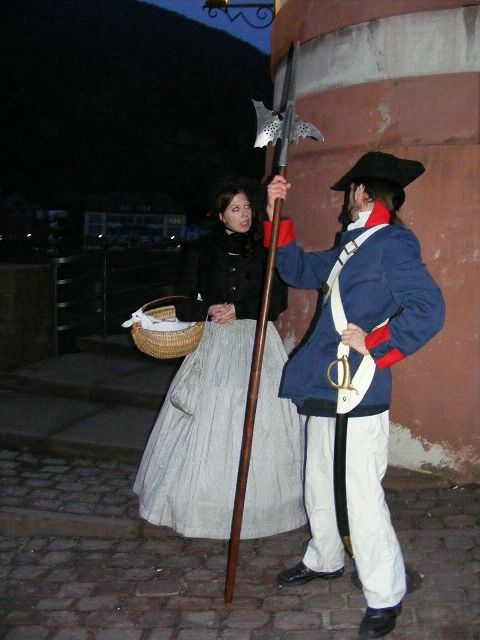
column 94, row 292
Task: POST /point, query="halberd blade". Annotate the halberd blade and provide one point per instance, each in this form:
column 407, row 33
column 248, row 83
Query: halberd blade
column 305, row 129
column 269, row 127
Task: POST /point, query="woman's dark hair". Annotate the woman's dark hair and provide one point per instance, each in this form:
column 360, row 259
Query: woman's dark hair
column 388, row 192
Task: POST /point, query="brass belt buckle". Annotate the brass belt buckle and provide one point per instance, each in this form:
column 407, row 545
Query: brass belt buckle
column 346, row 383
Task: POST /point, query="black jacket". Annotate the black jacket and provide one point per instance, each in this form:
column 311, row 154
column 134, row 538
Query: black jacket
column 227, row 268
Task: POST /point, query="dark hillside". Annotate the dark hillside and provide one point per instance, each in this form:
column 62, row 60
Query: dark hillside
column 119, row 95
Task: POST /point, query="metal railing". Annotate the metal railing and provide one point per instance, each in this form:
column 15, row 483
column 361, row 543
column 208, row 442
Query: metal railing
column 94, row 292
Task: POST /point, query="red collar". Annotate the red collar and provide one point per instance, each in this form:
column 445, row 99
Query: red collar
column 379, row 215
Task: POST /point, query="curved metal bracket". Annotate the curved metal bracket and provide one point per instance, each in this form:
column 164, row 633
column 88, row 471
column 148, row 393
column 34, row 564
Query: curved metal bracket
column 264, row 11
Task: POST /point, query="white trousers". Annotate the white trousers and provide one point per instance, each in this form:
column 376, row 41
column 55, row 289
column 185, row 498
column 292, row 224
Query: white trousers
column 377, row 553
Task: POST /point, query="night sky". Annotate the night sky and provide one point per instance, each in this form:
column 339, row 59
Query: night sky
column 259, row 38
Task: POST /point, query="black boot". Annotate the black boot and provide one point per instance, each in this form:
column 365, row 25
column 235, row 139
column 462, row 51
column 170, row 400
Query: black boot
column 299, row 574
column 377, row 623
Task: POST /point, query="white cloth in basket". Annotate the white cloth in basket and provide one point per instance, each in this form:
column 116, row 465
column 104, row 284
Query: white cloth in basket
column 156, row 324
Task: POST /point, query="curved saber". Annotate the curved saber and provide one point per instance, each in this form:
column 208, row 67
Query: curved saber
column 270, row 130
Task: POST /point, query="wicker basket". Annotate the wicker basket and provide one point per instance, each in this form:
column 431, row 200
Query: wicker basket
column 166, row 344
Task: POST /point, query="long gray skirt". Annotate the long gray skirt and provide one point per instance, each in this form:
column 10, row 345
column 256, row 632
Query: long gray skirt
column 187, row 475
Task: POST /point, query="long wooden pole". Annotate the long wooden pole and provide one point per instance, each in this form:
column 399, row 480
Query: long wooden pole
column 252, row 398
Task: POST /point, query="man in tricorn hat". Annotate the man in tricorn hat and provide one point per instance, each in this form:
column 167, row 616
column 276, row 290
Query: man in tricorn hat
column 380, row 305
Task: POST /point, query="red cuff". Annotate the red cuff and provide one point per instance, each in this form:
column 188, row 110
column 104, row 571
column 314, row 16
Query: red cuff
column 393, row 356
column 382, row 334
column 286, row 233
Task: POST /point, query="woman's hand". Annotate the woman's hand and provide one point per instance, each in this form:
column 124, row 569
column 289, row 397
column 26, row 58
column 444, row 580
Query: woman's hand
column 222, row 313
column 354, row 337
column 277, row 188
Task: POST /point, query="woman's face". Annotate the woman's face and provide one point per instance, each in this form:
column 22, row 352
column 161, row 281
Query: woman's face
column 238, row 215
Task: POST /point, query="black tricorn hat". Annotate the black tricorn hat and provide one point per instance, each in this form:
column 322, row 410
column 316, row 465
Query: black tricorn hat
column 376, row 164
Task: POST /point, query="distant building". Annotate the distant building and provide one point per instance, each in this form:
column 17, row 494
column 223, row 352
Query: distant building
column 126, row 230
column 123, row 221
column 17, row 218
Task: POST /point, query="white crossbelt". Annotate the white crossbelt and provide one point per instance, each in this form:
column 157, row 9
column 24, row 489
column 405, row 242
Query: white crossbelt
column 345, row 254
column 349, row 398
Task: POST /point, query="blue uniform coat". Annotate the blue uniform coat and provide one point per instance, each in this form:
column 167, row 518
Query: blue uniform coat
column 385, row 278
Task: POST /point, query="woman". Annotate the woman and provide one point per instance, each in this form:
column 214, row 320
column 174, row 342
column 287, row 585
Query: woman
column 187, row 476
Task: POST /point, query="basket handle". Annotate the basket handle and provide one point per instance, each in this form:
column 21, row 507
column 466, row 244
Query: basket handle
column 164, row 299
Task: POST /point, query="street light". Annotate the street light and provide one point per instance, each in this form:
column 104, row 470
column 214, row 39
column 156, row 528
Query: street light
column 264, row 11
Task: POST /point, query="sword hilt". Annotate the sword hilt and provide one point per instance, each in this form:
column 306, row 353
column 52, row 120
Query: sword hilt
column 346, row 384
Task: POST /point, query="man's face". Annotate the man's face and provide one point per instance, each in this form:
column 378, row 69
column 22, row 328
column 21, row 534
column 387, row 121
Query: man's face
column 358, row 200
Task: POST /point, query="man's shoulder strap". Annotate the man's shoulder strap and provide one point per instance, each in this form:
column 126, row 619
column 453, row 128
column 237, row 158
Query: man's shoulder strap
column 345, row 254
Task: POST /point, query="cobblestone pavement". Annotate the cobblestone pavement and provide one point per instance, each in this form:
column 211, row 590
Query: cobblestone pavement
column 121, row 580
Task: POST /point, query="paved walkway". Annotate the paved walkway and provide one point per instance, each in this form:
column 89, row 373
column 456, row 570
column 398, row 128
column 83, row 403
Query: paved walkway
column 77, row 563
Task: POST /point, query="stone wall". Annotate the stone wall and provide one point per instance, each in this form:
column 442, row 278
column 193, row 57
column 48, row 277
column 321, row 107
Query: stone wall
column 26, row 316
column 402, row 77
